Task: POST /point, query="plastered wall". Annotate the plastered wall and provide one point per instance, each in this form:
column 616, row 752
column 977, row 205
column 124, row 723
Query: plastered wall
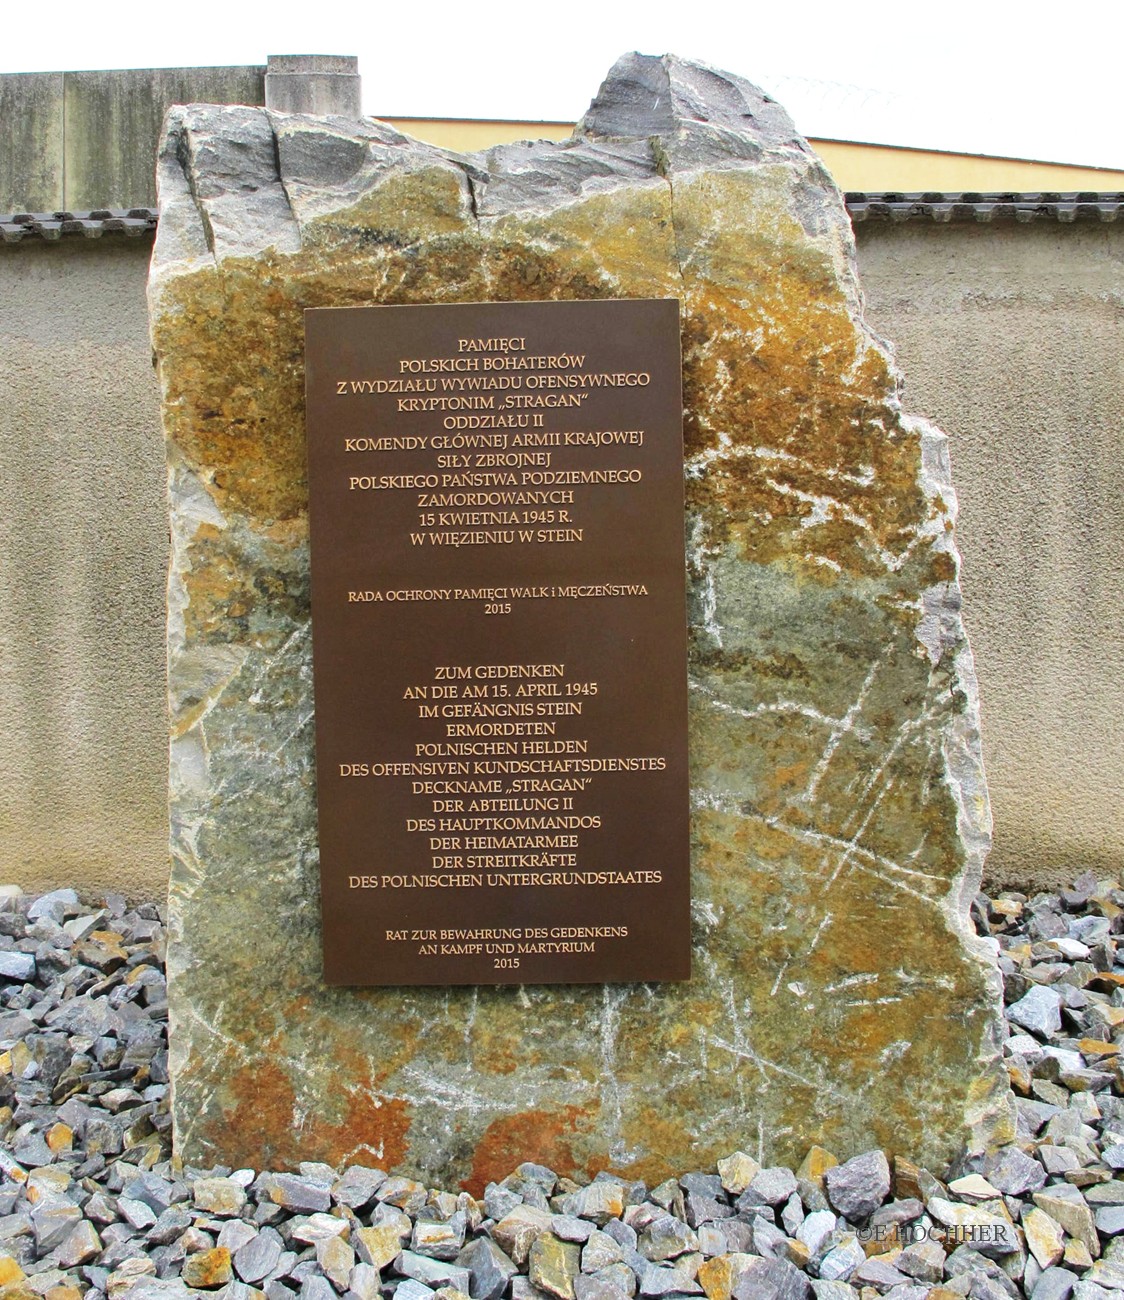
column 1011, row 339
column 83, row 555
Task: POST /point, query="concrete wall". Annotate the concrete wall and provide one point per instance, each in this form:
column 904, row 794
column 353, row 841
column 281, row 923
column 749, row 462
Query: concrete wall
column 31, row 166
column 83, row 554
column 1012, row 340
column 85, row 140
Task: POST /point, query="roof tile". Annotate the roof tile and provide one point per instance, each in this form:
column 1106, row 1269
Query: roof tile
column 887, row 206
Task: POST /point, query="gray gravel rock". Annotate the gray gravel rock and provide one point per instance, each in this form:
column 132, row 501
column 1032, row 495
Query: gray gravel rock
column 489, row 1269
column 619, row 1276
column 599, row 1202
column 432, row 1272
column 833, row 1290
column 169, row 1227
column 1090, row 1291
column 990, row 1234
column 964, row 1262
column 440, row 1240
column 1039, row 1011
column 294, row 1192
column 568, row 1228
column 82, row 1246
column 55, row 905
column 88, row 1196
column 1113, row 1155
column 357, row 1187
column 895, row 1213
column 621, row 1233
column 596, row 1288
column 317, row 1288
column 1110, row 1220
column 773, row 1279
column 53, row 1222
column 771, row 1186
column 500, row 1201
column 792, row 1216
column 256, row 1260
column 768, row 1239
column 1013, row 1172
column 666, row 1238
column 1054, row 1284
column 842, row 1260
column 156, row 1192
column 816, row 1229
column 923, row 1260
column 858, row 1187
column 600, row 1251
column 878, row 1274
column 700, row 1208
column 18, row 967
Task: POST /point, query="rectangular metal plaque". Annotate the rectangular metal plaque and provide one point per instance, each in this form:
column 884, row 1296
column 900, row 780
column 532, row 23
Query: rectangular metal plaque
column 499, row 642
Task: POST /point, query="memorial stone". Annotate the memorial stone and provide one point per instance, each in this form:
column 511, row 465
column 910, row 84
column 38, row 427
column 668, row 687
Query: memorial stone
column 839, row 815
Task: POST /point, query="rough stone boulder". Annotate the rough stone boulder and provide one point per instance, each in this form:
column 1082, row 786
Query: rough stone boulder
column 840, row 814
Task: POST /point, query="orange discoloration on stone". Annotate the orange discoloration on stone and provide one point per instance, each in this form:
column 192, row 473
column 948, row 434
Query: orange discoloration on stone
column 497, row 1052
column 815, row 1164
column 263, row 1120
column 10, row 1271
column 234, row 402
column 545, row 1136
column 240, row 418
column 208, row 1269
column 60, row 1137
column 943, row 567
column 388, row 213
column 661, row 1134
column 805, row 404
column 229, row 592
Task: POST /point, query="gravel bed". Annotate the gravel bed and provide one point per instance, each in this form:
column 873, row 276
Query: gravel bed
column 92, row 1205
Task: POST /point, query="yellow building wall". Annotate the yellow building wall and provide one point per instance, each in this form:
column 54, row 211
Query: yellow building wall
column 877, row 167
column 870, row 167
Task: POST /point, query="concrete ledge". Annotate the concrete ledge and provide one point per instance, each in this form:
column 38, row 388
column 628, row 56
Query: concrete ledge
column 325, row 85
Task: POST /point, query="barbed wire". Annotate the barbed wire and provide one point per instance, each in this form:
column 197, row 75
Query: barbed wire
column 830, row 94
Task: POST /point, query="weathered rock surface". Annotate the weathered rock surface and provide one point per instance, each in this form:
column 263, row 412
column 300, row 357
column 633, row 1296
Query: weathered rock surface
column 840, row 812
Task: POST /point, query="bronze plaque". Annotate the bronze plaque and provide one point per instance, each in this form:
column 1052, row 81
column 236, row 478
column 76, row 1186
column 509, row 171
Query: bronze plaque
column 499, row 642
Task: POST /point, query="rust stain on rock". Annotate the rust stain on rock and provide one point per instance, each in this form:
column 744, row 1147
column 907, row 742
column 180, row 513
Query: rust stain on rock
column 265, row 1127
column 545, row 1136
